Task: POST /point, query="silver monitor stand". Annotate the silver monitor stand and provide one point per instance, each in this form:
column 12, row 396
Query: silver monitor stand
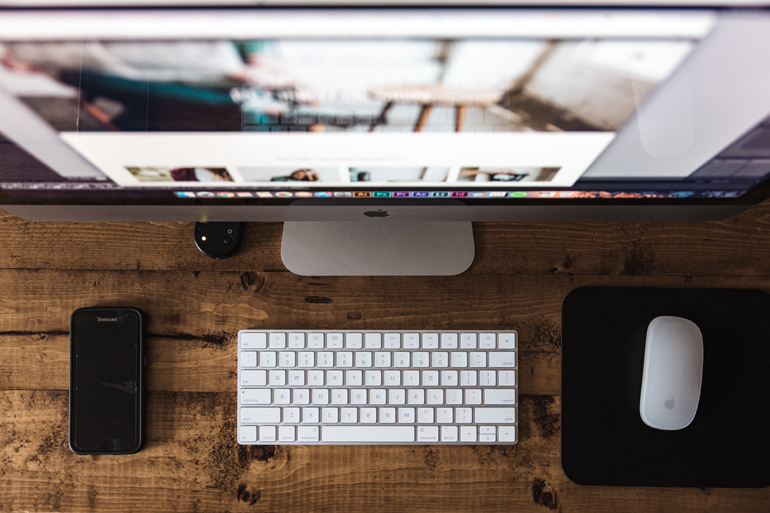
column 377, row 247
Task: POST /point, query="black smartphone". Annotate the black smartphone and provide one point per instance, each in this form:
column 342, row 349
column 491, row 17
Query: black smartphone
column 106, row 380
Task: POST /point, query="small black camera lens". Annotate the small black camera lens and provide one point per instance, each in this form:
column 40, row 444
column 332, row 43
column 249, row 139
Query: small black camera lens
column 228, row 239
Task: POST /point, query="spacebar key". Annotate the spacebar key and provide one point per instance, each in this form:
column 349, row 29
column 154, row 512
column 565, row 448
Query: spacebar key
column 386, row 434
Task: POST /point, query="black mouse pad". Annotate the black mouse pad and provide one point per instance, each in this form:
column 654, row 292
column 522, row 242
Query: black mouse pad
column 603, row 438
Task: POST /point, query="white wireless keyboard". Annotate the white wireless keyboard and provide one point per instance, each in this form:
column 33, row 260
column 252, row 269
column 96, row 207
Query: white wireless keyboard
column 383, row 387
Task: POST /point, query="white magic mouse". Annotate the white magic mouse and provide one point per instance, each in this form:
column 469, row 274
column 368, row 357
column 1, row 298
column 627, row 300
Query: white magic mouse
column 673, row 370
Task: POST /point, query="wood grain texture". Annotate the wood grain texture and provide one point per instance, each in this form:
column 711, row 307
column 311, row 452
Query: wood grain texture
column 196, row 306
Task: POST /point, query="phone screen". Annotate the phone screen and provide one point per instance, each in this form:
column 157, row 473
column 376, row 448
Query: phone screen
column 106, row 380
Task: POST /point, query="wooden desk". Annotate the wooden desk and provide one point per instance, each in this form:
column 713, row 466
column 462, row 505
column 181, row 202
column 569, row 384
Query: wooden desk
column 196, row 305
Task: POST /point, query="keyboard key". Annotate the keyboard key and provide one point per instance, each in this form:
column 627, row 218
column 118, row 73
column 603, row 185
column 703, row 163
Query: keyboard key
column 486, row 430
column 463, row 415
column 449, row 341
column 344, row 359
column 382, row 359
column 401, row 359
column 267, row 433
column 368, row 434
column 411, row 378
column 282, row 396
column 392, row 378
column 449, row 378
column 487, row 378
column 297, row 378
column 396, row 396
column 427, row 434
column 444, row 415
column 368, row 415
column 487, row 341
column 321, row 396
column 459, row 359
column 306, row 359
column 276, row 378
column 307, row 433
column 506, row 341
column 435, row 396
column 416, row 396
column 430, row 340
column 291, row 415
column 454, row 396
column 500, row 396
column 334, row 340
column 296, row 341
column 363, row 359
column 301, row 396
column 430, row 378
column 286, row 434
column 330, row 415
column 325, row 359
column 468, row 434
column 506, row 378
column 315, row 378
column 377, row 396
column 248, row 359
column 440, row 359
column 254, row 378
column 260, row 415
column 277, row 340
column 373, row 341
column 468, row 341
column 448, row 433
column 411, row 340
column 387, row 415
column 392, row 341
column 349, row 415
column 310, row 415
column 358, row 396
column 373, row 378
column 478, row 359
column 334, row 378
column 354, row 340
column 486, row 438
column 507, row 434
column 287, row 359
column 495, row 415
column 468, row 378
column 340, row 396
column 248, row 433
column 420, row 360
column 406, row 415
column 507, row 359
column 354, row 378
column 253, row 341
column 473, row 396
column 315, row 340
column 425, row 415
column 267, row 359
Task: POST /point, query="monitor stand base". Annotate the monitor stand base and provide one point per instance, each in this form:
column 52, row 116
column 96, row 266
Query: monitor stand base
column 377, row 247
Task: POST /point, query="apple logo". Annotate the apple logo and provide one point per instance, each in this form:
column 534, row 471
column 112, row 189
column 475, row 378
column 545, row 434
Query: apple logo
column 670, row 404
column 377, row 213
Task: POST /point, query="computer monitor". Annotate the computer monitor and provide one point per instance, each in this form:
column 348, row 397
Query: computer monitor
column 378, row 134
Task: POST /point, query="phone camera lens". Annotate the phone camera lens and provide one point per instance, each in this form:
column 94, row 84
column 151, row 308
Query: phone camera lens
column 227, row 239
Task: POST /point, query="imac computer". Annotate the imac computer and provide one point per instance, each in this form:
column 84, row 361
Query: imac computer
column 378, row 134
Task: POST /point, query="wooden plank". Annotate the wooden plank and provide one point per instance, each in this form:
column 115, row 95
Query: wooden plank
column 737, row 246
column 191, row 462
column 194, row 319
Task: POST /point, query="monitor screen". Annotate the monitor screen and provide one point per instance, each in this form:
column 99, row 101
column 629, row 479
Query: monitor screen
column 266, row 106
